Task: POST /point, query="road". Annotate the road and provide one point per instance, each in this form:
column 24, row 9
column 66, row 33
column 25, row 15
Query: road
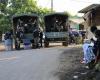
column 36, row 64
column 53, row 63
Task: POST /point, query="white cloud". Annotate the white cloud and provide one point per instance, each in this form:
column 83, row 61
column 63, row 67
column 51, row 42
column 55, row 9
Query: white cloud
column 72, row 6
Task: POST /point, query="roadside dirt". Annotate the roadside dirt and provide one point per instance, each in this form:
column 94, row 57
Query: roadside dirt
column 70, row 67
column 2, row 48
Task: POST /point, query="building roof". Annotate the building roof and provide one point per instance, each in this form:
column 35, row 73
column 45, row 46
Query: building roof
column 78, row 21
column 90, row 7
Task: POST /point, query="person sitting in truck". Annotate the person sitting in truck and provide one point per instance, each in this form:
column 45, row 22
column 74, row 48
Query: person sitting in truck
column 41, row 38
column 36, row 38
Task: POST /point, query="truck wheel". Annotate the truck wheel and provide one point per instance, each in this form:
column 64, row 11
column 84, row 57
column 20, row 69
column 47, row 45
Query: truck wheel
column 46, row 44
column 65, row 43
column 17, row 45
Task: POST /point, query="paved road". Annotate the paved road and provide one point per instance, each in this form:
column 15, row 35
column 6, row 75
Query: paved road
column 39, row 64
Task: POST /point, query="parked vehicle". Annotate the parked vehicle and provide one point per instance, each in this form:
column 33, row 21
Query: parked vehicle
column 23, row 28
column 56, row 28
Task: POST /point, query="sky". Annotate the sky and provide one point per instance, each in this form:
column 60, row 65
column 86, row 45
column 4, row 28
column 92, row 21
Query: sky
column 71, row 6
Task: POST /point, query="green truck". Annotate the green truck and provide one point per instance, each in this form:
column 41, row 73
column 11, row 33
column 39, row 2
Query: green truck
column 23, row 26
column 56, row 28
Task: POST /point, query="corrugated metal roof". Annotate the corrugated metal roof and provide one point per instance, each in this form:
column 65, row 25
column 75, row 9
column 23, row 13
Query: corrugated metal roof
column 90, row 7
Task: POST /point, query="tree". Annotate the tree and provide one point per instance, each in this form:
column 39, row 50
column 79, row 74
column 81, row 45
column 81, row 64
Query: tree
column 3, row 4
column 13, row 7
column 42, row 12
column 4, row 21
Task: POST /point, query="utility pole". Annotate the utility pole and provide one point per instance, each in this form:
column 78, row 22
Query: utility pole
column 51, row 5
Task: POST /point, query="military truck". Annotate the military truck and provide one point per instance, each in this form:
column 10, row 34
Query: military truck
column 56, row 28
column 23, row 27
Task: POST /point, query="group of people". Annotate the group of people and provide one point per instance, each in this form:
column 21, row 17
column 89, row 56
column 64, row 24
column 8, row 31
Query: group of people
column 21, row 31
column 26, row 26
column 57, row 25
column 91, row 49
column 29, row 27
column 20, row 37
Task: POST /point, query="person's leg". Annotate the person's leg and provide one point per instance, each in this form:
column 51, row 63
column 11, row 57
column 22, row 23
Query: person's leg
column 12, row 45
column 6, row 47
column 41, row 41
column 9, row 47
column 35, row 42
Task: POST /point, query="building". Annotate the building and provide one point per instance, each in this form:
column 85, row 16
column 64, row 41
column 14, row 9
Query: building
column 75, row 22
column 91, row 17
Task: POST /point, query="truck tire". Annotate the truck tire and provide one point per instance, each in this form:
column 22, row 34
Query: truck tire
column 46, row 44
column 65, row 43
column 17, row 45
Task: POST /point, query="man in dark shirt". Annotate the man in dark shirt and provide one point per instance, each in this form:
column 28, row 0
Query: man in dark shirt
column 41, row 37
column 96, row 47
column 97, row 44
column 36, row 38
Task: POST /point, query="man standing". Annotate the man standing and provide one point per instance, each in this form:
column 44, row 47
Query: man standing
column 8, row 41
column 36, row 38
column 41, row 38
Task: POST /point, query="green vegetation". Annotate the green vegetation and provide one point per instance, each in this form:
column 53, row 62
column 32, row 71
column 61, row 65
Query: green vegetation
column 8, row 8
